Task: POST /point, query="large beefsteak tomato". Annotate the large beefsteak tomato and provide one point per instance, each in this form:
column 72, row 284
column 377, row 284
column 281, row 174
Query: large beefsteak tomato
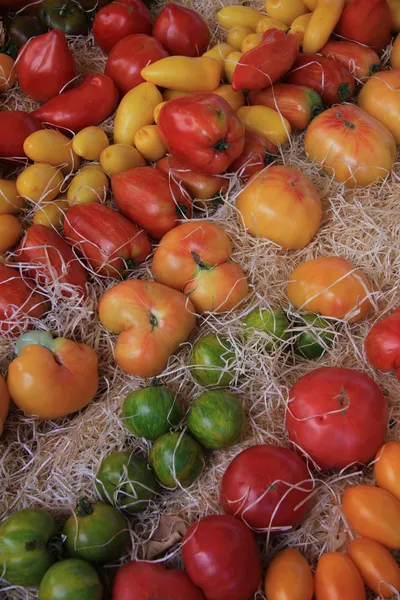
column 182, row 31
column 382, row 344
column 368, row 22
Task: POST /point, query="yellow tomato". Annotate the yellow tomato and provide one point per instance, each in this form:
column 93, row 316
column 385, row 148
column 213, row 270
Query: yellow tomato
column 51, row 214
column 299, row 26
column 282, row 205
column 395, row 56
column 90, row 142
column 395, row 8
column 267, row 23
column 150, row 143
column 231, row 16
column 135, row 110
column 251, row 41
column 236, row 36
column 337, row 578
column 53, row 148
column 7, row 72
column 322, row 23
column 380, row 98
column 376, row 565
column 40, row 183
column 120, row 157
column 157, row 111
column 266, row 122
column 10, row 201
column 289, row 577
column 387, row 468
column 184, row 73
column 373, row 513
column 10, row 231
column 231, row 61
column 88, row 186
column 171, row 94
column 220, row 53
column 311, row 4
column 285, row 11
column 235, row 99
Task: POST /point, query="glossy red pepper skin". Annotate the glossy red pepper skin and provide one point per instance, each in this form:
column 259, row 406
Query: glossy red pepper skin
column 45, row 65
column 382, row 344
column 109, row 241
column 88, row 104
column 182, row 31
column 119, row 19
column 260, row 67
column 49, row 259
column 202, row 131
column 368, row 22
column 331, row 80
column 257, row 154
column 15, row 127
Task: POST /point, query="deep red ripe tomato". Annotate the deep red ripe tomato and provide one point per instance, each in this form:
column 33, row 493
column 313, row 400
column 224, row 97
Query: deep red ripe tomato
column 119, row 19
column 337, row 416
column 382, row 344
column 129, row 56
column 258, row 488
column 222, row 558
column 15, row 127
column 368, row 22
column 182, row 31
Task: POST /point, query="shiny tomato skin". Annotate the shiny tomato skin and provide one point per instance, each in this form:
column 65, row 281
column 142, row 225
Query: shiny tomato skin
column 382, row 344
column 376, row 566
column 258, row 153
column 221, row 557
column 379, row 98
column 331, row 80
column 15, row 127
column 337, row 578
column 118, row 20
column 387, row 468
column 337, row 416
column 182, row 31
column 361, row 61
column 150, row 199
column 129, row 56
column 202, row 131
column 255, row 483
column 198, row 185
column 368, row 22
column 289, row 577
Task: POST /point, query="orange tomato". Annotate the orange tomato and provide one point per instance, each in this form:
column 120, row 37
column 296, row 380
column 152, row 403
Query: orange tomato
column 380, row 98
column 374, row 513
column 387, row 468
column 330, row 286
column 10, row 231
column 337, row 578
column 350, row 145
column 282, row 205
column 376, row 565
column 395, row 56
column 7, row 72
column 289, row 577
column 4, row 402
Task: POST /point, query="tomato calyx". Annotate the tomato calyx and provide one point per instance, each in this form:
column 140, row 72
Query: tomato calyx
column 181, row 209
column 83, row 508
column 153, row 321
column 202, row 265
column 343, row 401
column 221, row 146
column 269, row 158
column 317, row 109
column 131, row 264
column 374, row 69
column 55, row 547
column 349, row 124
column 344, row 92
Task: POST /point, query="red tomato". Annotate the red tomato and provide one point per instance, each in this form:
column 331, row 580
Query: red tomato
column 110, row 242
column 198, row 185
column 222, row 558
column 382, row 344
column 147, row 197
column 18, row 302
column 368, row 22
column 260, row 67
column 202, row 131
column 337, row 416
column 45, row 65
column 15, row 127
column 362, row 62
column 258, row 153
column 182, row 31
column 331, row 80
column 337, row 578
column 387, row 468
column 88, row 104
column 258, row 487
column 141, row 581
column 129, row 56
column 119, row 19
column 50, row 260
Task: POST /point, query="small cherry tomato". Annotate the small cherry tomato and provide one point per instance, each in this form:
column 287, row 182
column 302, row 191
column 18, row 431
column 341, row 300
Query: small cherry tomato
column 236, row 36
column 376, row 565
column 150, row 143
column 89, row 185
column 51, row 214
column 90, row 142
column 10, row 231
column 10, row 202
column 40, row 183
column 53, row 148
column 120, row 157
column 220, row 53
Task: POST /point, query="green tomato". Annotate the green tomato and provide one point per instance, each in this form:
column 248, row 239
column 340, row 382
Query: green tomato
column 272, row 322
column 216, row 419
column 315, row 337
column 65, row 15
column 96, row 533
column 151, row 411
column 27, row 543
column 126, row 481
column 176, row 457
column 212, row 361
column 71, row 579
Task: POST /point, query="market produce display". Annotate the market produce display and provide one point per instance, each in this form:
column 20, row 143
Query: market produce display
column 199, row 300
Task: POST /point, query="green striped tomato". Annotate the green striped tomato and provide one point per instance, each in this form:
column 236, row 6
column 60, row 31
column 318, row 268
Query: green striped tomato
column 314, row 337
column 71, row 579
column 212, row 361
column 150, row 412
column 176, row 458
column 272, row 323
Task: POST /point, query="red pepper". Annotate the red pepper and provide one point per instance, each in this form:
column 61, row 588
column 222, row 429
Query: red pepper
column 258, row 68
column 382, row 344
column 109, row 241
column 45, row 65
column 88, row 104
column 15, row 127
column 182, row 31
column 368, row 22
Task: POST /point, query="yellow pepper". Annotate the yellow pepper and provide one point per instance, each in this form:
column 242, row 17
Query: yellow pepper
column 236, row 36
column 184, row 73
column 51, row 214
column 220, row 53
column 88, row 186
column 10, row 231
column 285, row 11
column 322, row 23
column 299, row 26
column 10, row 202
column 157, row 111
column 266, row 122
column 395, row 8
column 171, row 94
column 120, row 157
column 136, row 110
column 311, row 4
column 53, row 148
column 90, row 142
column 395, row 56
column 150, row 143
column 252, row 41
column 40, row 183
column 234, row 99
column 230, row 16
column 231, row 62
column 267, row 23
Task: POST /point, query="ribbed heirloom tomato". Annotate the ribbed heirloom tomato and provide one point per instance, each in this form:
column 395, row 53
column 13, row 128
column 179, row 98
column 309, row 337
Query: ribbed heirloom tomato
column 182, row 31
